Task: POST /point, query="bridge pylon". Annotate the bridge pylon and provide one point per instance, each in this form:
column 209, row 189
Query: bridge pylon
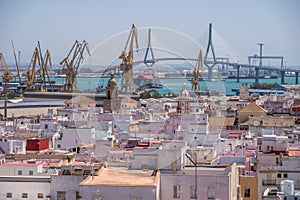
column 210, row 46
column 149, row 50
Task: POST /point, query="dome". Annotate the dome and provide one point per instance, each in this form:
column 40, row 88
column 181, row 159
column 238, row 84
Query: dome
column 112, row 82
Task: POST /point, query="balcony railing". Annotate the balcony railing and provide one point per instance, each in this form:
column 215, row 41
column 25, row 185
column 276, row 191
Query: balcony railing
column 269, row 182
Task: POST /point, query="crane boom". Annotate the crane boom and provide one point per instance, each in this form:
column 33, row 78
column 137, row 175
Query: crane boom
column 47, row 62
column 196, row 73
column 72, row 62
column 6, row 77
column 127, row 61
column 17, row 62
column 31, row 71
column 7, row 74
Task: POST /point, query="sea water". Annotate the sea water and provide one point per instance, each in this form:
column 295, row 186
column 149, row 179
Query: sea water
column 174, row 85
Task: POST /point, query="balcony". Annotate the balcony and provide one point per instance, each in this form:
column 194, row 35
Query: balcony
column 269, row 183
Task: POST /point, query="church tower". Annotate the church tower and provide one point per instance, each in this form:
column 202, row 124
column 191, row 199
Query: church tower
column 183, row 106
column 112, row 88
column 112, row 101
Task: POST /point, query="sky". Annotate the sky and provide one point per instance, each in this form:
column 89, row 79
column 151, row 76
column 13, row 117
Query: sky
column 58, row 23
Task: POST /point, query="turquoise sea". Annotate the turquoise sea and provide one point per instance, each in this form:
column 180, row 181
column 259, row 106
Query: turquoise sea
column 174, row 85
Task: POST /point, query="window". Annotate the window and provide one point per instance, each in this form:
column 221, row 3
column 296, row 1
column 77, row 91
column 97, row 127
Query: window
column 193, row 192
column 19, row 172
column 78, row 197
column 46, row 126
column 285, row 175
column 61, row 195
column 31, row 173
column 40, row 195
column 210, row 192
column 278, row 175
column 176, row 191
column 9, row 195
column 247, row 192
column 24, row 195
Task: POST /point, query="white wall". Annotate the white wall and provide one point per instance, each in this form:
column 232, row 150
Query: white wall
column 17, row 188
column 79, row 135
column 69, row 184
column 121, row 192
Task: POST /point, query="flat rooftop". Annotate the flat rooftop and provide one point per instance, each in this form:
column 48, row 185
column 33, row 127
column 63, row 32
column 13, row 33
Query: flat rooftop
column 121, row 176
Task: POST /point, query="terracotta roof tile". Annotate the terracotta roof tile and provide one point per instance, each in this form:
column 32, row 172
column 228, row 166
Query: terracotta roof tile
column 251, row 108
column 81, row 100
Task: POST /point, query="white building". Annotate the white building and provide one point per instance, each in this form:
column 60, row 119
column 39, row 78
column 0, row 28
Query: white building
column 272, row 169
column 209, row 183
column 73, row 137
column 16, row 176
column 11, row 145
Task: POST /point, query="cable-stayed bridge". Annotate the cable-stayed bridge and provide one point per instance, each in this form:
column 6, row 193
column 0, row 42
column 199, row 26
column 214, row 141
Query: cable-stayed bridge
column 212, row 60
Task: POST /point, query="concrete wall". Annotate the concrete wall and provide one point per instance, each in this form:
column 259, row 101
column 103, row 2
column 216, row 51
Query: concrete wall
column 19, row 187
column 219, row 185
column 12, row 170
column 79, row 135
column 119, row 192
column 69, row 184
column 101, row 149
column 12, row 146
column 145, row 158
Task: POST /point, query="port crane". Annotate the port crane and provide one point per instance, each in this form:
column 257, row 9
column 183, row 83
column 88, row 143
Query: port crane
column 196, row 73
column 126, row 66
column 43, row 71
column 30, row 72
column 17, row 61
column 6, row 77
column 71, row 63
column 37, row 70
column 6, row 74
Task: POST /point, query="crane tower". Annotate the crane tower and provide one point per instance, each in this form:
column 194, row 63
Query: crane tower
column 127, row 83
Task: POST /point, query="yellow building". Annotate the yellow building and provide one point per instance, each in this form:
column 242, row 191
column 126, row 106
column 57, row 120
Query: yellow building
column 249, row 187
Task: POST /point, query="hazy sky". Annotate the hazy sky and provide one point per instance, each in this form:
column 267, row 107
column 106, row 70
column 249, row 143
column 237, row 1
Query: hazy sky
column 58, row 23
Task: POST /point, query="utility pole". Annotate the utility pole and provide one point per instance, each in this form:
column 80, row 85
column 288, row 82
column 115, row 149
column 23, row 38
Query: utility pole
column 195, row 165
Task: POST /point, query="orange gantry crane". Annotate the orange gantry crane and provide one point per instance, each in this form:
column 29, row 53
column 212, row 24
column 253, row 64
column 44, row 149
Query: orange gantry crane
column 31, row 72
column 127, row 82
column 196, row 73
column 37, row 71
column 6, row 74
column 71, row 63
column 6, row 77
